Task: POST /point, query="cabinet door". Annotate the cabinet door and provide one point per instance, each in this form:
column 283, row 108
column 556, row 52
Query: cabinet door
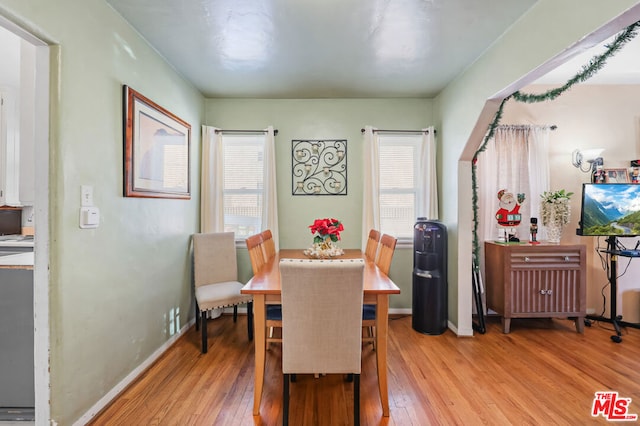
column 548, row 291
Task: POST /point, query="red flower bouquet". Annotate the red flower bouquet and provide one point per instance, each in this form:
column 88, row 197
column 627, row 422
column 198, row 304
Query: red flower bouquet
column 325, row 233
column 325, row 229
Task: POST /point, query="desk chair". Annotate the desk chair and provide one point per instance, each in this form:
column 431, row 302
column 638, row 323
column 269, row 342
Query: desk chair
column 215, row 276
column 322, row 321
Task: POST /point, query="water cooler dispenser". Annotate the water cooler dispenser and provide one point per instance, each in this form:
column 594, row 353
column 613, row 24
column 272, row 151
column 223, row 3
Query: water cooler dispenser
column 429, row 277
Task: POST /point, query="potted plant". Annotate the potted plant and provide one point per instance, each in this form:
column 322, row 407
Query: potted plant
column 555, row 212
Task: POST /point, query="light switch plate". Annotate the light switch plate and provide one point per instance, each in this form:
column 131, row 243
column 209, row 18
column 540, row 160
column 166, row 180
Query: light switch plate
column 86, row 195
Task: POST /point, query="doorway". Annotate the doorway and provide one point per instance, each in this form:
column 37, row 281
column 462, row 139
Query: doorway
column 37, row 73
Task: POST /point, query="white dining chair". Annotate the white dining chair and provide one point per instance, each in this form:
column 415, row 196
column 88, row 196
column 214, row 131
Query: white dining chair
column 322, row 321
column 215, row 278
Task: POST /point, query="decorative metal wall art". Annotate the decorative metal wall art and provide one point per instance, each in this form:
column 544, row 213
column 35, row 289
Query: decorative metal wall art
column 319, row 167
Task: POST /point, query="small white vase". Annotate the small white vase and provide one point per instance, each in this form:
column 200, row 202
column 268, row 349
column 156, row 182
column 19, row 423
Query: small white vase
column 554, row 232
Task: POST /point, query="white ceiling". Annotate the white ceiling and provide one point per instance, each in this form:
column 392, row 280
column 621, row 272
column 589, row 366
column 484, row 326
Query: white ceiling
column 321, row 48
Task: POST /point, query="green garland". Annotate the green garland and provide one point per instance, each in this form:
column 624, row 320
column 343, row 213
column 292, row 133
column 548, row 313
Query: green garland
column 595, row 64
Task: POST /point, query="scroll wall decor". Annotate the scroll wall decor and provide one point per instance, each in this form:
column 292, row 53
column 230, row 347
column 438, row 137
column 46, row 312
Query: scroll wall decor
column 319, row 167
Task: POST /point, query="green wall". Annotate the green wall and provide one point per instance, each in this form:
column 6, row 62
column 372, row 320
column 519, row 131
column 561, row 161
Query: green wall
column 324, row 119
column 466, row 107
column 114, row 290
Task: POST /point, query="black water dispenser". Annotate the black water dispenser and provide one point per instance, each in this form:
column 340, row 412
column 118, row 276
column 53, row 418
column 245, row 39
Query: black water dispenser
column 429, row 314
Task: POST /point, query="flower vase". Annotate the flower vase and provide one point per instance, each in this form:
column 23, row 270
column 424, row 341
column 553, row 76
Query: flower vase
column 554, row 228
column 324, row 250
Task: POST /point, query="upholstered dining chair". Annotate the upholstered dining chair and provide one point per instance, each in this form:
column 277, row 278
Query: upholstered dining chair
column 269, row 245
column 256, row 247
column 383, row 261
column 215, row 277
column 322, row 321
column 372, row 244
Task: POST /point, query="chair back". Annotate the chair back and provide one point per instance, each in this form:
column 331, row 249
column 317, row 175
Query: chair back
column 385, row 252
column 214, row 258
column 321, row 315
column 372, row 244
column 256, row 254
column 269, row 245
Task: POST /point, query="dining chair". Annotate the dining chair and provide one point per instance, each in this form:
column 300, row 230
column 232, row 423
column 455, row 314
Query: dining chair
column 322, row 321
column 269, row 244
column 385, row 252
column 256, row 254
column 372, row 244
column 383, row 261
column 255, row 246
column 215, row 278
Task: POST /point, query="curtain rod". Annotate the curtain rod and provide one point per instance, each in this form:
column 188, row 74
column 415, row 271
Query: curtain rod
column 526, row 126
column 400, row 131
column 275, row 132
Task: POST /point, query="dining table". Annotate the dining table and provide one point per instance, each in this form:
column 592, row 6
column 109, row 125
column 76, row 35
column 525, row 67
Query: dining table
column 265, row 288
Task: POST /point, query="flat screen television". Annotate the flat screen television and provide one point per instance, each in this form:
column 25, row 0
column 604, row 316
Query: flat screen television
column 610, row 209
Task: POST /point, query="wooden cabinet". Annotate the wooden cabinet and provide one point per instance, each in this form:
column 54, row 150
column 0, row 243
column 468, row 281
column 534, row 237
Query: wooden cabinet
column 536, row 281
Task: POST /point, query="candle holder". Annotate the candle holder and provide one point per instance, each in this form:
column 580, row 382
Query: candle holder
column 319, row 167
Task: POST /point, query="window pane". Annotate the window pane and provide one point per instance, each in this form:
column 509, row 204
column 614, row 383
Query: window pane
column 397, row 214
column 242, row 214
column 397, row 166
column 398, row 181
column 243, row 185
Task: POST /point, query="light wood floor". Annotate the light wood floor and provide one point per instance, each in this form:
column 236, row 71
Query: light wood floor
column 542, row 373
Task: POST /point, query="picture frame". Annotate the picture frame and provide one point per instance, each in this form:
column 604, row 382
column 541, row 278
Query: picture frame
column 319, row 167
column 157, row 150
column 616, row 175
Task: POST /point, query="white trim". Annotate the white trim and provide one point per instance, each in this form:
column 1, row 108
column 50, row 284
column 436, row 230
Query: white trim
column 131, row 377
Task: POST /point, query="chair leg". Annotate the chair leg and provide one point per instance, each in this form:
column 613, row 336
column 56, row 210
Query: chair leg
column 356, row 399
column 235, row 313
column 373, row 335
column 285, row 399
column 197, row 316
column 203, row 320
column 250, row 319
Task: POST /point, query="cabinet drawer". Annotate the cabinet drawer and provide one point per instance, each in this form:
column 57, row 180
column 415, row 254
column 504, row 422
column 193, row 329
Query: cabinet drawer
column 522, row 259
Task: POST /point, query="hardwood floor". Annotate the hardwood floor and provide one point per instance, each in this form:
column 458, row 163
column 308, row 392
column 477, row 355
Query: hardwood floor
column 542, row 373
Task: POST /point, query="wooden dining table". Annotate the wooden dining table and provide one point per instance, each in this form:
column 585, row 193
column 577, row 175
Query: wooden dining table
column 265, row 289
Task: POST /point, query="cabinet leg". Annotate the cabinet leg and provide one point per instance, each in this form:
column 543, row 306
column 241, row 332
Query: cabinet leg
column 506, row 325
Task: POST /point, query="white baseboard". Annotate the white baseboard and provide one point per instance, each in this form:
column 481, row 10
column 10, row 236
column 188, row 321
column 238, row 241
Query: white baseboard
column 131, row 377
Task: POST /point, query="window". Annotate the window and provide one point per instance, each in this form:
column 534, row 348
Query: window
column 399, row 192
column 243, row 189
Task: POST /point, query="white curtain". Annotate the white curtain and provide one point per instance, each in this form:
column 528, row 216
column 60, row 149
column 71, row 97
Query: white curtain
column 428, row 199
column 371, row 184
column 270, row 199
column 517, row 160
column 211, row 182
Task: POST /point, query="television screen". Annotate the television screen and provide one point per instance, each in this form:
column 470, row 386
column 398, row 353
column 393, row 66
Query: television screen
column 610, row 209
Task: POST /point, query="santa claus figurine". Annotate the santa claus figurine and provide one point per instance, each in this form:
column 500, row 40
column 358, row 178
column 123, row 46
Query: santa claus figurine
column 509, row 212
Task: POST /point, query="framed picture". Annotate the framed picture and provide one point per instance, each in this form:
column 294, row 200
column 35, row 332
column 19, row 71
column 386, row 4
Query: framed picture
column 616, row 176
column 157, row 148
column 319, row 167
